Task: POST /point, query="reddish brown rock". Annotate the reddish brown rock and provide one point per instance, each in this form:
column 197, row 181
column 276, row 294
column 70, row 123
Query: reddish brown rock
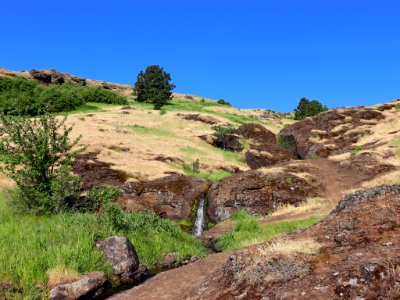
column 264, row 148
column 171, row 196
column 200, row 118
column 303, row 138
column 258, row 193
column 95, row 173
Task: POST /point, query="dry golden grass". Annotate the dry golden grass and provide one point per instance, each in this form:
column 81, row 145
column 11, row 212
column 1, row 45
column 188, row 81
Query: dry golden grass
column 316, row 205
column 60, row 275
column 285, row 246
column 147, row 134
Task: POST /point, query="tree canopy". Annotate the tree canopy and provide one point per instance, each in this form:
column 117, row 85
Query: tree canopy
column 307, row 108
column 153, row 86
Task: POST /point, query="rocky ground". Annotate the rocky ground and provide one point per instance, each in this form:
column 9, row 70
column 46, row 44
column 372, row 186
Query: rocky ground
column 352, row 254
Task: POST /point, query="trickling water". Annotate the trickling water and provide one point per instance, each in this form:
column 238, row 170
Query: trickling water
column 200, row 220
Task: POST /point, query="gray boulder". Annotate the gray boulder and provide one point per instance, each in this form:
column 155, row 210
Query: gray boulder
column 84, row 288
column 122, row 256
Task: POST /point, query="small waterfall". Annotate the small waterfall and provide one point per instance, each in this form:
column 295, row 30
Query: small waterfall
column 200, row 220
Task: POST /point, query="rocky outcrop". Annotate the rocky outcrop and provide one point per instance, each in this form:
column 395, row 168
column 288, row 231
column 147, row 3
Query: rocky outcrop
column 258, row 192
column 54, row 77
column 332, row 132
column 200, row 118
column 84, row 288
column 352, row 254
column 171, row 196
column 264, row 148
column 95, row 173
column 122, row 256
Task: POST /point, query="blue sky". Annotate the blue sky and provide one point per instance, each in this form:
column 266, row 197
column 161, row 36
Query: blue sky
column 255, row 54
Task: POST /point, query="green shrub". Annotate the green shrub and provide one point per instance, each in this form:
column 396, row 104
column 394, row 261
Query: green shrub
column 100, row 95
column 37, row 154
column 97, row 197
column 307, row 108
column 20, row 96
column 223, row 102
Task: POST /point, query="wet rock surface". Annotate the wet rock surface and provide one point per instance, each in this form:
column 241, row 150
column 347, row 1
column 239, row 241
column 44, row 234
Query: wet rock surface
column 358, row 257
column 171, row 196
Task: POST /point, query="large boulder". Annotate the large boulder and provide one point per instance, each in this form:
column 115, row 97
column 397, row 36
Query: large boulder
column 84, row 288
column 264, row 148
column 259, row 192
column 171, row 196
column 122, row 256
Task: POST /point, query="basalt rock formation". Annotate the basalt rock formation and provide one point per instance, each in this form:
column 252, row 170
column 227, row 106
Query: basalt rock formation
column 259, row 192
column 264, row 149
column 332, row 132
column 171, row 196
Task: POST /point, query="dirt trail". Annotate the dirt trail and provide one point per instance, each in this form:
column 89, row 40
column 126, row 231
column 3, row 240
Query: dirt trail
column 176, row 283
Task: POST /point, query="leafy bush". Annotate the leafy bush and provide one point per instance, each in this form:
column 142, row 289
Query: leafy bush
column 153, row 86
column 225, row 138
column 100, row 95
column 223, row 102
column 37, row 154
column 20, row 96
column 307, row 108
column 96, row 198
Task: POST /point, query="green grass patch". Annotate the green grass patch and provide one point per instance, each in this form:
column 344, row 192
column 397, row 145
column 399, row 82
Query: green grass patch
column 192, row 150
column 213, row 176
column 32, row 245
column 152, row 131
column 248, row 231
column 314, row 157
column 356, row 150
column 395, row 143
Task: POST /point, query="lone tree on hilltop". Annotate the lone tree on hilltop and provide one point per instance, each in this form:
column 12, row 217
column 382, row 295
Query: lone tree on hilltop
column 153, row 86
column 307, row 108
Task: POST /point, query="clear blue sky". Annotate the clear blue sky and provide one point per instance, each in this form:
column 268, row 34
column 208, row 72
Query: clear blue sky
column 256, row 54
